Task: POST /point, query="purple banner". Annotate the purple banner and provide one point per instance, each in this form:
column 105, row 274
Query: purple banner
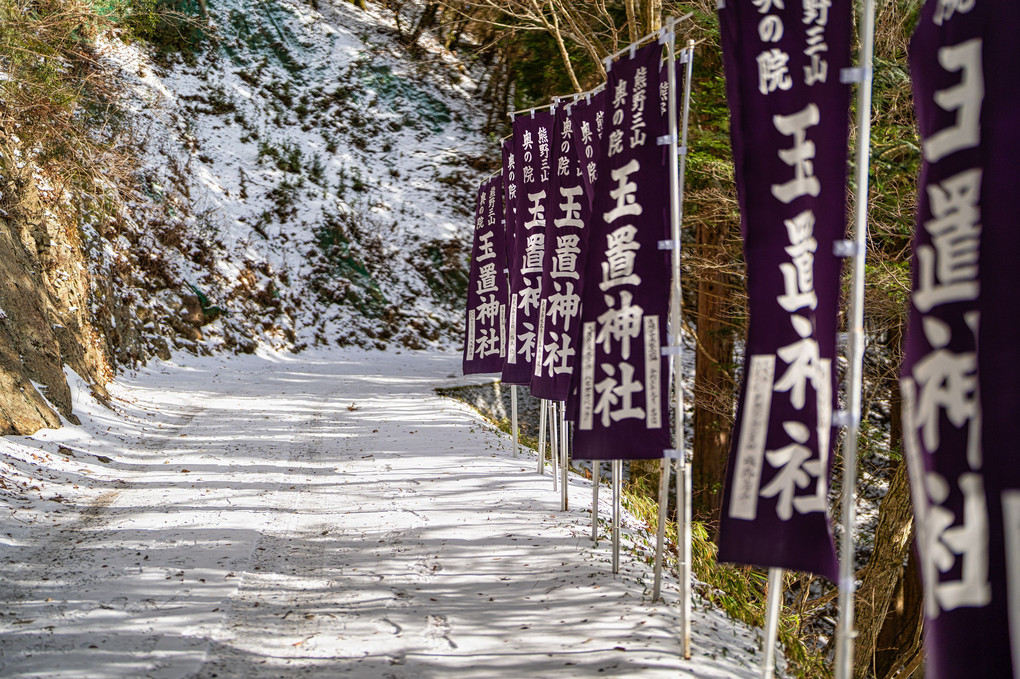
column 789, row 128
column 566, row 239
column 488, row 289
column 533, row 158
column 679, row 69
column 511, row 186
column 589, row 116
column 621, row 385
column 961, row 387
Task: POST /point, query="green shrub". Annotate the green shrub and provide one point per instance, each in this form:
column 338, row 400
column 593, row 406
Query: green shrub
column 169, row 26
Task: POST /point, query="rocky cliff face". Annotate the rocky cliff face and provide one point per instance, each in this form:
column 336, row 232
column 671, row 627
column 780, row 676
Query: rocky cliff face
column 75, row 294
column 45, row 312
column 85, row 289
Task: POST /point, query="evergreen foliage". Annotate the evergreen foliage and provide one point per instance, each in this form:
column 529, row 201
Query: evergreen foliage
column 171, row 27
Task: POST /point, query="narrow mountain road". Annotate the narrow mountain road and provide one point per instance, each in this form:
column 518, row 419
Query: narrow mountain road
column 323, row 516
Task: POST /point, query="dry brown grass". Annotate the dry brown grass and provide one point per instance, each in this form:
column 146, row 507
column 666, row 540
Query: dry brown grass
column 58, row 104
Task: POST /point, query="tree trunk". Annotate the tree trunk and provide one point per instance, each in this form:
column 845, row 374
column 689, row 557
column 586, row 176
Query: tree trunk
column 713, row 390
column 895, row 348
column 883, row 573
column 440, row 25
column 425, row 22
column 495, row 93
column 501, row 104
column 900, row 647
column 558, row 36
column 596, row 50
column 395, row 7
column 653, row 15
column 453, row 37
column 632, row 20
column 492, row 77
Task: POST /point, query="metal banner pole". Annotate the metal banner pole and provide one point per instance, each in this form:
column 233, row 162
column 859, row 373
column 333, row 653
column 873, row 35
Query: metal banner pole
column 845, row 629
column 596, row 475
column 677, row 170
column 565, row 457
column 683, row 461
column 686, row 552
column 541, row 438
column 660, row 535
column 775, row 601
column 678, row 155
column 617, row 483
column 554, row 451
column 513, row 415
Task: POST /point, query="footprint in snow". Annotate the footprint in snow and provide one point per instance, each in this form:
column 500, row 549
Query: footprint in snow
column 438, row 627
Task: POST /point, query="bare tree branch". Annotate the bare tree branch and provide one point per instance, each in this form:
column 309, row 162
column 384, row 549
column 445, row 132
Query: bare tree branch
column 563, row 48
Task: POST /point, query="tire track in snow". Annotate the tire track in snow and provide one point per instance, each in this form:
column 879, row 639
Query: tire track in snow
column 264, row 604
column 64, row 580
column 292, row 535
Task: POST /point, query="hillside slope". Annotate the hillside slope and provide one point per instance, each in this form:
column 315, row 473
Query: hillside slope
column 299, row 179
column 326, row 176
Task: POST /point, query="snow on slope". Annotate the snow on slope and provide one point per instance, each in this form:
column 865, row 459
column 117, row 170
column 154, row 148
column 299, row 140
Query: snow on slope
column 317, row 180
column 319, row 515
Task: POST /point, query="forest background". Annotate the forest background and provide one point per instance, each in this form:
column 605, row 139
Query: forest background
column 523, row 53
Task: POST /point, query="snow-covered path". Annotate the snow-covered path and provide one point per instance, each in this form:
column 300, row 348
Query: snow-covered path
column 282, row 516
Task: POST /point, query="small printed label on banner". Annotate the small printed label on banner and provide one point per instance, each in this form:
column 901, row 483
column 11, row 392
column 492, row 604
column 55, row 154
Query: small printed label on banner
column 751, row 446
column 471, row 335
column 666, row 244
column 540, row 339
column 824, row 388
column 502, row 331
column 511, row 351
column 1011, row 526
column 587, row 407
column 824, row 401
column 653, row 366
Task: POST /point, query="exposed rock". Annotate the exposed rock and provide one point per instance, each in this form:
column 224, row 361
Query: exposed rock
column 162, row 349
column 494, row 400
column 45, row 325
column 191, row 311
